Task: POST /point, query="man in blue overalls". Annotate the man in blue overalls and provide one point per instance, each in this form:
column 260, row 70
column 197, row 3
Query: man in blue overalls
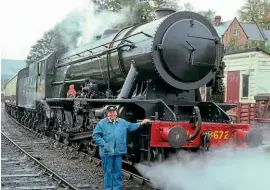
column 110, row 134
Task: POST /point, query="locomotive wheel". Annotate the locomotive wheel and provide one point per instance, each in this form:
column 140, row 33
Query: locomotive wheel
column 58, row 124
column 92, row 150
column 57, row 137
column 76, row 145
column 66, row 141
column 68, row 121
column 34, row 126
column 21, row 120
column 79, row 121
column 25, row 120
column 43, row 131
column 160, row 154
column 30, row 123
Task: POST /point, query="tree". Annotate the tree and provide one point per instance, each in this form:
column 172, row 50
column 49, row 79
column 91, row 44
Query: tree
column 255, row 11
column 188, row 7
column 64, row 35
column 49, row 43
column 166, row 4
column 131, row 10
column 209, row 14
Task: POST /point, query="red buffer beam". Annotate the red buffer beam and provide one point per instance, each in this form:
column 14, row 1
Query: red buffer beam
column 176, row 135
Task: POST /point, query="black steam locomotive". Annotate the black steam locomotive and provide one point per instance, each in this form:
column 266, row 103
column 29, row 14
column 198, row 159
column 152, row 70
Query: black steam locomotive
column 149, row 70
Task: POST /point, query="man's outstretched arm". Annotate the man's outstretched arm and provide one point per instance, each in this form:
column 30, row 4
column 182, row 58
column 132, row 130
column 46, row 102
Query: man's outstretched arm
column 135, row 126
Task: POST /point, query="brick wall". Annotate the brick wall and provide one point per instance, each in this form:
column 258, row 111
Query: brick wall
column 229, row 36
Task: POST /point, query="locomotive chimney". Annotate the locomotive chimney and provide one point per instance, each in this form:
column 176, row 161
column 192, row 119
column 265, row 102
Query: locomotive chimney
column 162, row 12
column 217, row 20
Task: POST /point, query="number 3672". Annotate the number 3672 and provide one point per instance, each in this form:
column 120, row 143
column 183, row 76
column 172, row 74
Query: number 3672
column 218, row 135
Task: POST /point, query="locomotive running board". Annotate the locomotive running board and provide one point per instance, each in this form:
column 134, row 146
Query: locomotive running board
column 142, row 103
column 104, row 100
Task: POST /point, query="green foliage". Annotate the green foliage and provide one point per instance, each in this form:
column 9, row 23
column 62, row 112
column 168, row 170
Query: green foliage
column 166, row 4
column 255, row 11
column 209, row 14
column 49, row 43
column 137, row 8
column 137, row 12
column 64, row 35
column 233, row 46
column 188, row 7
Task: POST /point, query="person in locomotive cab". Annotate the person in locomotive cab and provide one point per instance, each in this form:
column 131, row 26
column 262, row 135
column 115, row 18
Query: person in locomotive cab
column 110, row 134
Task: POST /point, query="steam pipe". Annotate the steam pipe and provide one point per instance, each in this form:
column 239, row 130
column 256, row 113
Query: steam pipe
column 198, row 97
column 129, row 83
column 196, row 112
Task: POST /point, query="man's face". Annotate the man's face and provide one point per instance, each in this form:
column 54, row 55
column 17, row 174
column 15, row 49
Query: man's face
column 112, row 115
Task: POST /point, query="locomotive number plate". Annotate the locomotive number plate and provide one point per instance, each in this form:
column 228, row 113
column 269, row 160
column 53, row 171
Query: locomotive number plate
column 217, row 135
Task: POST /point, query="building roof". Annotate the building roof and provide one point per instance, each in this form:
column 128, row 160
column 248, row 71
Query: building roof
column 221, row 29
column 267, row 35
column 253, row 32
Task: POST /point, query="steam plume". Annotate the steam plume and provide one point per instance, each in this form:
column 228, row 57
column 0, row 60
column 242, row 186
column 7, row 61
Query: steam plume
column 226, row 169
column 83, row 23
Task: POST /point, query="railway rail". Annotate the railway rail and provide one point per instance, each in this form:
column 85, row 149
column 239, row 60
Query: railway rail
column 129, row 175
column 18, row 173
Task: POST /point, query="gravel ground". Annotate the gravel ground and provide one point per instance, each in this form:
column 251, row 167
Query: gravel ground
column 76, row 169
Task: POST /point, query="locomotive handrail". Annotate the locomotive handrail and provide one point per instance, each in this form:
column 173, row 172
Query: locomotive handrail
column 204, row 37
column 104, row 45
column 67, row 81
column 166, row 106
column 93, row 56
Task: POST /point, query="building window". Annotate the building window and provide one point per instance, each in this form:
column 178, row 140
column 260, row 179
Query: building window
column 245, row 85
column 235, row 32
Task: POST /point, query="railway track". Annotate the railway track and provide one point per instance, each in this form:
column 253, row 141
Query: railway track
column 21, row 170
column 141, row 181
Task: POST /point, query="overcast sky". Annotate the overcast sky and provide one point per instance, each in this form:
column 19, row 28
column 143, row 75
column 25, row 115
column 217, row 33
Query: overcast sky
column 25, row 21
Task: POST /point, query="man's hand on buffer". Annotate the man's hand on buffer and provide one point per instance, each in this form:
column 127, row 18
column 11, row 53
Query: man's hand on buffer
column 145, row 121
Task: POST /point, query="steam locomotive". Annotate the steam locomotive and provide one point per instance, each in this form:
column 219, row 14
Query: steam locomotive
column 148, row 70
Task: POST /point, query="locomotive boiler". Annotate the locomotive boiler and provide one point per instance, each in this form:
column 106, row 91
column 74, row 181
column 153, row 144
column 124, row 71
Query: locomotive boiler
column 149, row 70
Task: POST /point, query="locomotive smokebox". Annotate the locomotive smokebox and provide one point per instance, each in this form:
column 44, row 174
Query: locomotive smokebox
column 175, row 136
column 162, row 12
column 186, row 50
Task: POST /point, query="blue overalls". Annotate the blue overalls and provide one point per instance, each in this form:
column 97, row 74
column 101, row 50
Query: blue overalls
column 111, row 138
